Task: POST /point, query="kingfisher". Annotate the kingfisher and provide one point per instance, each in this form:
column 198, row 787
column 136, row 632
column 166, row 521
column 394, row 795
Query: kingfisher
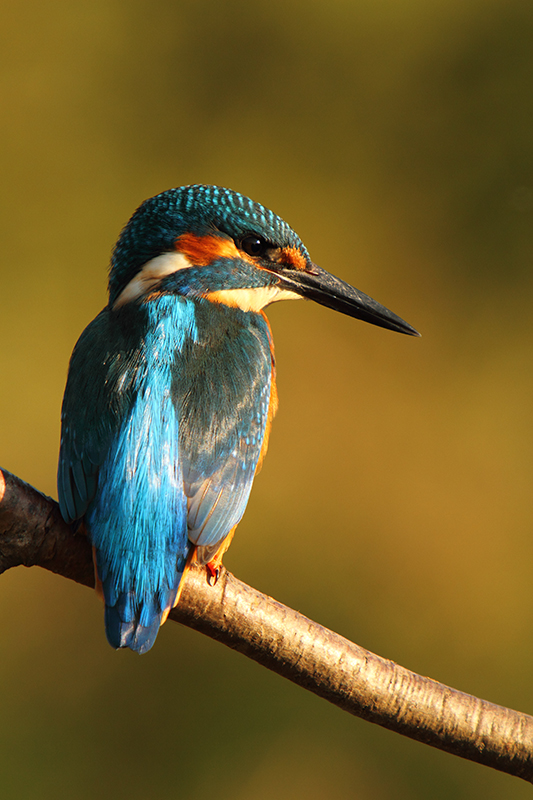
column 171, row 392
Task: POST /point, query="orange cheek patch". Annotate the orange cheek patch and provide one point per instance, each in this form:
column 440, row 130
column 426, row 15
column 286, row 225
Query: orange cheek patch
column 202, row 250
column 292, row 257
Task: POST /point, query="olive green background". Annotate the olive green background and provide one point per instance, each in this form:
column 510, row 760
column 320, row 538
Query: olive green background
column 395, row 504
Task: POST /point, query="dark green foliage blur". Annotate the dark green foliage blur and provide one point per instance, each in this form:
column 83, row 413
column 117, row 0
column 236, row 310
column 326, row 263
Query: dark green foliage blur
column 395, row 504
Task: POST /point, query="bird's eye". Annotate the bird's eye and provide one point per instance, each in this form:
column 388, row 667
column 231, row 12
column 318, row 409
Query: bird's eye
column 253, row 245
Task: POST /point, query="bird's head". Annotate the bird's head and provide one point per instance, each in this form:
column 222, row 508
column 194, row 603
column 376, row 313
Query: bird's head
column 211, row 242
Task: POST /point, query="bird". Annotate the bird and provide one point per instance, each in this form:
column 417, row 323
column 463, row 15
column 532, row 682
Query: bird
column 171, row 393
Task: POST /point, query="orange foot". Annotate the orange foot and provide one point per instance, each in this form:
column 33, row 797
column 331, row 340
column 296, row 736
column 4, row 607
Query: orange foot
column 214, row 565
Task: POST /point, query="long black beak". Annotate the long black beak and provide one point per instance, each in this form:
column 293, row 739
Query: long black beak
column 318, row 285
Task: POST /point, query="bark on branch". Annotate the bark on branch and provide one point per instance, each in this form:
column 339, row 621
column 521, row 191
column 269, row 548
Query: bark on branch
column 32, row 533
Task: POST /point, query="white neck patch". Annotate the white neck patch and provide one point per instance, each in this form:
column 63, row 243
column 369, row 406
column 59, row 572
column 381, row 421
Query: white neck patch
column 151, row 273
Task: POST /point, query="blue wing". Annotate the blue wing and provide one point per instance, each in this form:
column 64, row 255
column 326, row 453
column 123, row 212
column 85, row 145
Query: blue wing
column 223, row 391
column 99, row 393
column 217, row 502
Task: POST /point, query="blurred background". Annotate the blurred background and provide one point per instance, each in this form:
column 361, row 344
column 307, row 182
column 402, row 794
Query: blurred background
column 395, row 504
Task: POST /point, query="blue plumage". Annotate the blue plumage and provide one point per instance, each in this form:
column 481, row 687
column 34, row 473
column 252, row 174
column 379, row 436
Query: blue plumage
column 142, row 481
column 171, row 391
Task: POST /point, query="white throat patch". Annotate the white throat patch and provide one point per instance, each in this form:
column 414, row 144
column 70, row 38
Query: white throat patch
column 252, row 299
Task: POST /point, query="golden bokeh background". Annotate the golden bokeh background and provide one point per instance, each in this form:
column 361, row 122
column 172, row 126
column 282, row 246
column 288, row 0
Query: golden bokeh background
column 395, row 505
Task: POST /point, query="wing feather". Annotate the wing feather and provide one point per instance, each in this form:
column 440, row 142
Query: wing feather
column 223, row 390
column 92, row 409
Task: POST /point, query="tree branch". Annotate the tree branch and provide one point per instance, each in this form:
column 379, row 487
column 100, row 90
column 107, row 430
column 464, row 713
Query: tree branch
column 32, row 533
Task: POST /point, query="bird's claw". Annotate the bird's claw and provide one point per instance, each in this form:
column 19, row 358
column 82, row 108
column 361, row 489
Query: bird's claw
column 213, row 574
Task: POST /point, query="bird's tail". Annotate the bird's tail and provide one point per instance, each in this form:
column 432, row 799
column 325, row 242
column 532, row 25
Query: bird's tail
column 133, row 618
